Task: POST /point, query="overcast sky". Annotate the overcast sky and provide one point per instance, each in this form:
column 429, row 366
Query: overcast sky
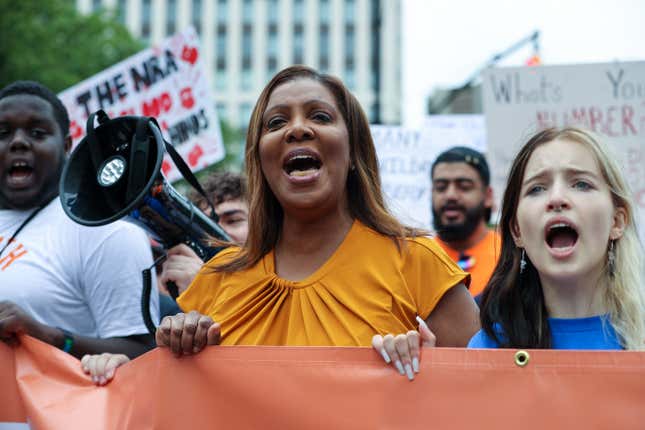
column 445, row 41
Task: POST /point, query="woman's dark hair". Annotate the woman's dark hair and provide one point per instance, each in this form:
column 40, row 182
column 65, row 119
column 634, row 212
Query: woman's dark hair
column 366, row 201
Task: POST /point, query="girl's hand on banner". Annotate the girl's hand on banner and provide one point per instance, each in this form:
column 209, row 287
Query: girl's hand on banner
column 101, row 367
column 403, row 350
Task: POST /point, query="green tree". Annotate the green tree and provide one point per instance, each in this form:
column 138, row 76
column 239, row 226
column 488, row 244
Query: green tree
column 50, row 42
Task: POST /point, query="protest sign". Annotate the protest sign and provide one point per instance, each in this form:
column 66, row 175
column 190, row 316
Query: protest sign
column 608, row 99
column 406, row 157
column 167, row 81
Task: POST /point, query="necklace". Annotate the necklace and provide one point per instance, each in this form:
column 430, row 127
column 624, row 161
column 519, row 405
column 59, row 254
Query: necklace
column 22, row 225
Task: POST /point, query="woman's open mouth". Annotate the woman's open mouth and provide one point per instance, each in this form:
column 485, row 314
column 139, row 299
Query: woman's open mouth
column 302, row 165
column 561, row 238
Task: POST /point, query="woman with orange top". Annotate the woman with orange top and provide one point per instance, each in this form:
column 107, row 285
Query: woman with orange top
column 324, row 263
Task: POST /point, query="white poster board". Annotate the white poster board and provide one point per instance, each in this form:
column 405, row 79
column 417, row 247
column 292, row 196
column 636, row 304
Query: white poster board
column 167, row 81
column 606, row 98
column 403, row 164
column 406, row 157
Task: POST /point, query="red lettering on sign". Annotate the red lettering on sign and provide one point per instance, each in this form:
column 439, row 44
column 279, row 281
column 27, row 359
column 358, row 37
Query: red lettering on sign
column 157, row 105
column 165, row 167
column 187, row 99
column 189, row 54
column 75, row 130
column 195, row 155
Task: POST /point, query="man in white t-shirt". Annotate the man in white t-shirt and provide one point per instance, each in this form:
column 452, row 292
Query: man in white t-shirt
column 74, row 287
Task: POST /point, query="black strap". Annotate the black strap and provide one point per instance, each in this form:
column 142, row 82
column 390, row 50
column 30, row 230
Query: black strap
column 138, row 157
column 184, row 169
column 24, row 223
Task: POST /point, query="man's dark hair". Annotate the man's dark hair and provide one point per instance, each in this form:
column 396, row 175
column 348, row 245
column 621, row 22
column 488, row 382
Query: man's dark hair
column 221, row 186
column 463, row 154
column 475, row 159
column 39, row 90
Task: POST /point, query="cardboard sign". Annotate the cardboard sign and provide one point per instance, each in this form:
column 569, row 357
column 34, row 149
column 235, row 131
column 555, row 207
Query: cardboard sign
column 608, row 99
column 168, row 82
column 406, row 157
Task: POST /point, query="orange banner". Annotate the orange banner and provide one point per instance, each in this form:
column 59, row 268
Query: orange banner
column 330, row 388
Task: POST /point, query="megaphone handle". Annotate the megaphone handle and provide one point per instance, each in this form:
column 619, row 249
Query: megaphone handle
column 173, row 290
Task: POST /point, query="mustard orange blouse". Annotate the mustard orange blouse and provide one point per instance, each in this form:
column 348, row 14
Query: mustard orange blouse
column 367, row 287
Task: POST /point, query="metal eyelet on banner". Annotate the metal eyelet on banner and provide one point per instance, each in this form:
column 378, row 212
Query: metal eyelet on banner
column 522, row 358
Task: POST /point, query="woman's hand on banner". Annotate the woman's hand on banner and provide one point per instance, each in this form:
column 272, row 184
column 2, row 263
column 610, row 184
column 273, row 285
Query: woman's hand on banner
column 187, row 334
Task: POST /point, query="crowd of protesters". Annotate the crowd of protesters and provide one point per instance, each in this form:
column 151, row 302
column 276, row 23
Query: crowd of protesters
column 316, row 258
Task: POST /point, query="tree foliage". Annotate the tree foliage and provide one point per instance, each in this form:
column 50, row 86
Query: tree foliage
column 50, row 42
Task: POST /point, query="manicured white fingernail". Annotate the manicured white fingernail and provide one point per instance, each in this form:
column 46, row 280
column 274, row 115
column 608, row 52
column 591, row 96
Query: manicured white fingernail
column 408, row 372
column 399, row 367
column 415, row 364
column 385, row 356
column 421, row 322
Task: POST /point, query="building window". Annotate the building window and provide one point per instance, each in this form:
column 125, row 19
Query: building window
column 298, row 44
column 246, row 78
column 324, row 12
column 350, row 77
column 375, row 48
column 272, row 37
column 298, row 11
column 323, row 48
column 272, row 8
column 221, row 111
column 171, row 17
column 221, row 80
column 221, row 43
column 272, row 50
column 197, row 16
column 298, row 31
column 245, row 115
column 247, row 43
column 350, row 43
column 350, row 11
column 222, row 12
column 247, row 12
column 121, row 10
column 373, row 113
column 272, row 68
column 146, row 14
